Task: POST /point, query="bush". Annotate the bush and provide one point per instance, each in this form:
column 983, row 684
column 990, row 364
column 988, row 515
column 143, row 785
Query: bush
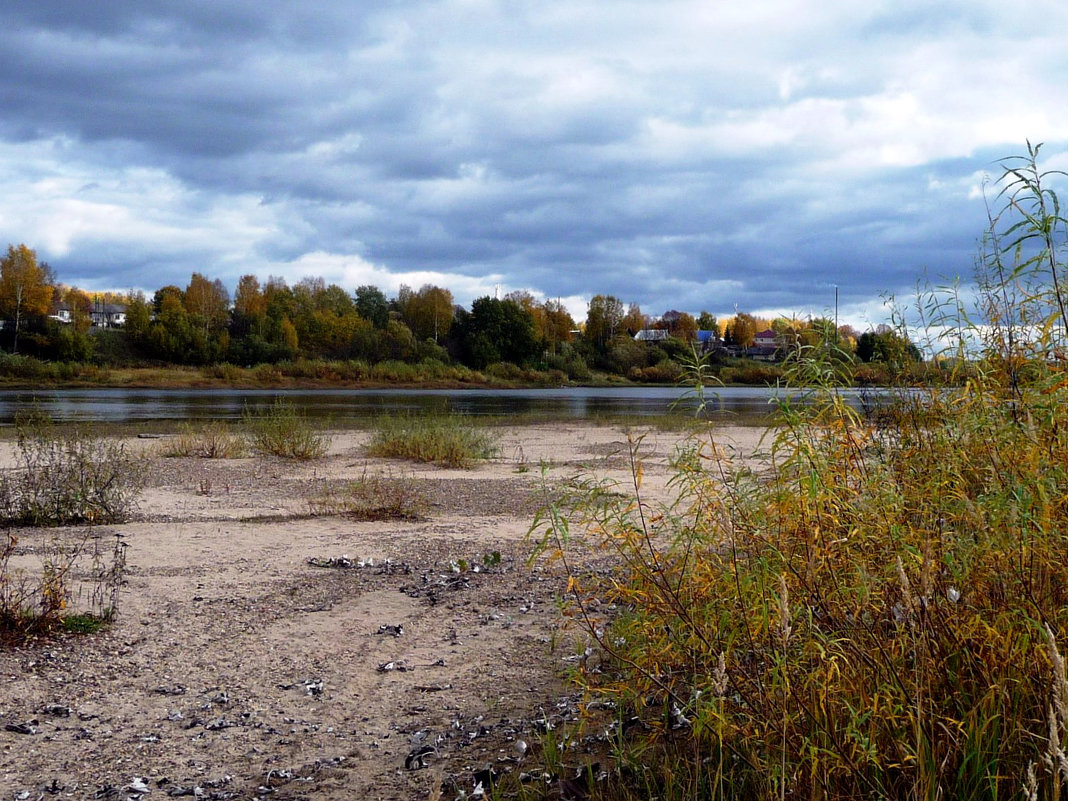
column 445, row 440
column 225, row 371
column 395, row 372
column 570, row 363
column 268, row 374
column 664, row 372
column 63, row 478
column 68, row 477
column 18, row 366
column 508, row 373
column 751, row 374
column 282, row 430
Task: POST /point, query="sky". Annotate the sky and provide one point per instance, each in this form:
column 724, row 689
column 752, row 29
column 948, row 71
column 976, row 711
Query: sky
column 677, row 154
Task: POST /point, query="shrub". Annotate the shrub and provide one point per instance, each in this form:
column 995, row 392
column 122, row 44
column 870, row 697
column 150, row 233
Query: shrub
column 282, row 430
column 569, row 360
column 395, row 372
column 68, row 477
column 751, row 374
column 18, row 366
column 207, row 441
column 664, row 372
column 225, row 371
column 505, row 371
column 447, row 440
column 268, row 374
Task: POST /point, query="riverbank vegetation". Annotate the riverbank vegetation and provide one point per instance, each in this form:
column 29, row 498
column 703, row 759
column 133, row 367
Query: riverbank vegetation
column 447, row 440
column 283, row 430
column 63, row 477
column 882, row 612
column 313, row 334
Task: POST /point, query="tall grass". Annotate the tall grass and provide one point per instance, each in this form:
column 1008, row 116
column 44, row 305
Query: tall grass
column 448, row 440
column 213, row 440
column 880, row 613
column 283, row 430
column 372, row 496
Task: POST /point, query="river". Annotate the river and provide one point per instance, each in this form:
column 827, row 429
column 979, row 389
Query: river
column 139, row 405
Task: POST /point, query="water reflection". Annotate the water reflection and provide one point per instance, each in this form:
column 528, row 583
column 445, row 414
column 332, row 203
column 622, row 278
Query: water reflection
column 133, row 405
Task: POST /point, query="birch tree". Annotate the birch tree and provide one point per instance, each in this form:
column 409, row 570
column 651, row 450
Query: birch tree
column 25, row 287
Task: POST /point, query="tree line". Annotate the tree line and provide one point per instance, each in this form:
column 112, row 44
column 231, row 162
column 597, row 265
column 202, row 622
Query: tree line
column 270, row 322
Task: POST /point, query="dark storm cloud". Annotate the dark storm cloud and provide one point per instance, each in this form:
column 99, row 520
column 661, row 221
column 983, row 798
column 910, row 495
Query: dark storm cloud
column 672, row 153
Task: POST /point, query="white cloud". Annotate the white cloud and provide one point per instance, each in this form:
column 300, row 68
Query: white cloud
column 57, row 199
column 471, row 143
column 351, row 271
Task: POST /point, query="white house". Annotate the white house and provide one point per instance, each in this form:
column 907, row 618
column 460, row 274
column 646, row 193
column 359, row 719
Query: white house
column 108, row 315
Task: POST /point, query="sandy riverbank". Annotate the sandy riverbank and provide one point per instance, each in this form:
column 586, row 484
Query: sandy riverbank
column 235, row 664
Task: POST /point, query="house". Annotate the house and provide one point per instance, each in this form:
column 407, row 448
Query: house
column 708, row 340
column 62, row 314
column 108, row 315
column 766, row 339
column 765, row 347
column 763, row 353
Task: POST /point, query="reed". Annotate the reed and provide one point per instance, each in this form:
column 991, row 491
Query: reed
column 880, row 612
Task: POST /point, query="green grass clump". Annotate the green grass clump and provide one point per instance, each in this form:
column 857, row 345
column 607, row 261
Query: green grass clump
column 211, row 441
column 882, row 611
column 84, row 623
column 448, row 440
column 372, row 496
column 282, row 430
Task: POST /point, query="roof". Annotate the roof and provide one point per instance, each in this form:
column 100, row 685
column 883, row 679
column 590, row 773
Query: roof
column 108, row 308
column 652, row 335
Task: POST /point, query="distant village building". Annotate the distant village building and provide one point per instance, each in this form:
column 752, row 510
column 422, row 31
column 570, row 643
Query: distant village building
column 765, row 347
column 708, row 340
column 766, row 338
column 102, row 315
column 62, row 314
column 108, row 315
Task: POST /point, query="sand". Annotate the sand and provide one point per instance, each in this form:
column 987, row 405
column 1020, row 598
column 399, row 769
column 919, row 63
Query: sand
column 241, row 667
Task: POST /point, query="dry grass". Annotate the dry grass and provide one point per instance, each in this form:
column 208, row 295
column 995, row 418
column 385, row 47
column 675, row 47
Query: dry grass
column 878, row 614
column 282, row 430
column 373, row 496
column 207, row 441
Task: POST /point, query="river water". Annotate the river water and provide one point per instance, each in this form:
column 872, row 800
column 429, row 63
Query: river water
column 139, row 405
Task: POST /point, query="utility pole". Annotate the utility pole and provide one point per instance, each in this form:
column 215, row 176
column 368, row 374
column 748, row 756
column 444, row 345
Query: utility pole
column 836, row 315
